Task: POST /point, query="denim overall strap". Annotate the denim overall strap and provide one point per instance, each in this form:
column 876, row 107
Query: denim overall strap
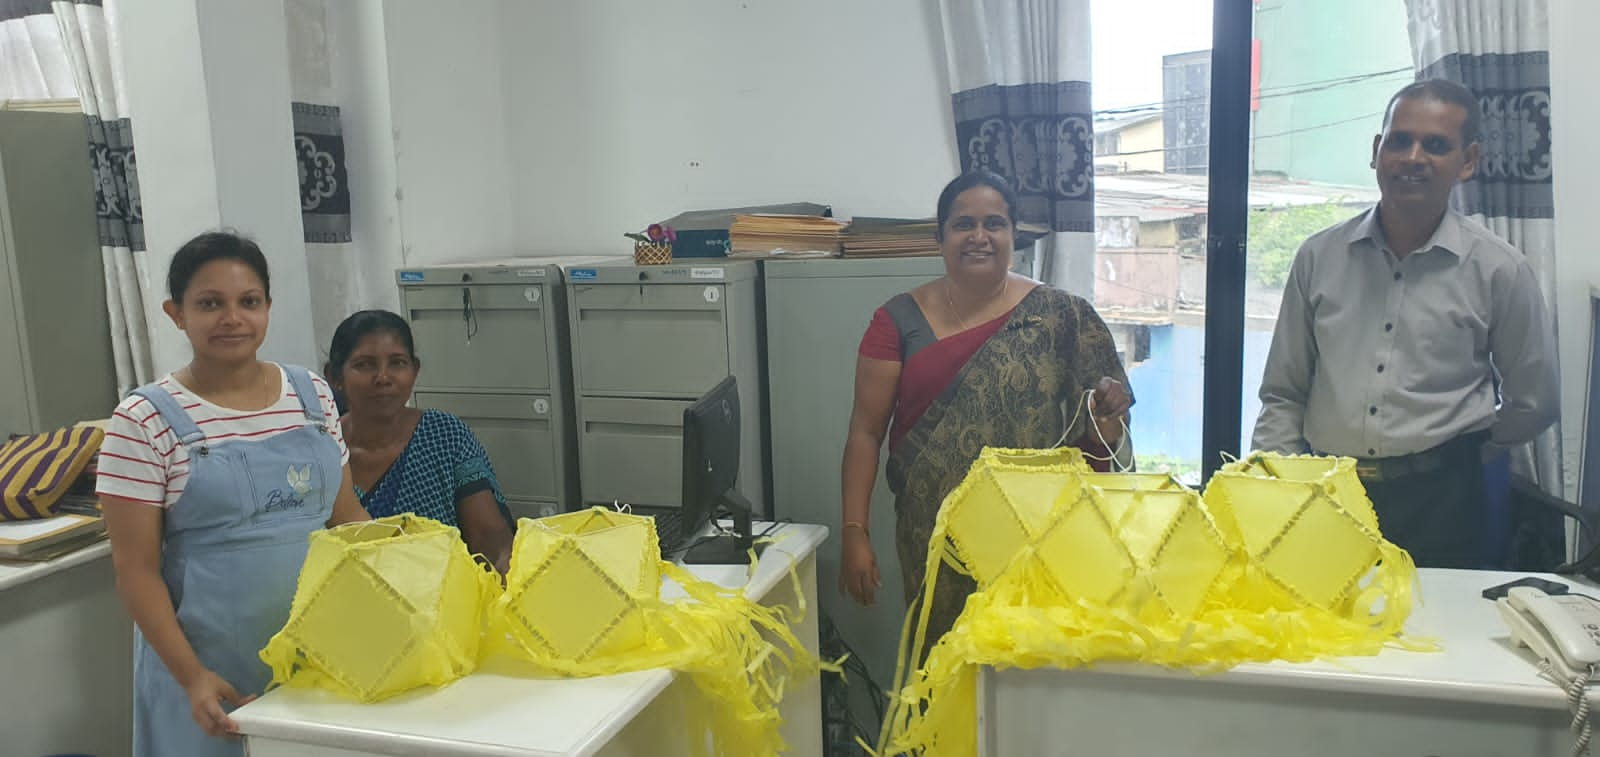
column 300, row 379
column 184, row 428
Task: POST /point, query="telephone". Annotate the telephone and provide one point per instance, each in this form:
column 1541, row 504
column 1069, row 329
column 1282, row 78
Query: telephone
column 1563, row 630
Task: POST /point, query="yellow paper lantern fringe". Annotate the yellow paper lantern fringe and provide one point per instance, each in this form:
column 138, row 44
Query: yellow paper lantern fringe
column 1280, row 560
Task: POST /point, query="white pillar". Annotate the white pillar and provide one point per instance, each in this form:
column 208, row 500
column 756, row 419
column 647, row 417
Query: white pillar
column 208, row 94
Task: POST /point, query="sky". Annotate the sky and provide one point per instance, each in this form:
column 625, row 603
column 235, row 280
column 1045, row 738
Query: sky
column 1130, row 36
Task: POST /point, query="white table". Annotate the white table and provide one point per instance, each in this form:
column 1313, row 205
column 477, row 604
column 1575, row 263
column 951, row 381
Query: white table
column 496, row 712
column 66, row 657
column 1477, row 697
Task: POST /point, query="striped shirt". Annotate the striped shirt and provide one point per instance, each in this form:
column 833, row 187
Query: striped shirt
column 141, row 459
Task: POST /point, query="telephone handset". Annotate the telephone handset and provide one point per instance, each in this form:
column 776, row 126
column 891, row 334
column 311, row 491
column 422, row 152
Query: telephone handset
column 1562, row 630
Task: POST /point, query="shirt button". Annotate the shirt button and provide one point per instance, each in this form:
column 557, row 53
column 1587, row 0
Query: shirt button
column 1372, row 411
column 1380, row 367
column 1396, row 275
column 1388, row 327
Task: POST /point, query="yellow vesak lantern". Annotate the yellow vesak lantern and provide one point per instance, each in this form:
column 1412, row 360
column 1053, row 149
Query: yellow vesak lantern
column 410, row 586
column 1310, row 537
column 583, row 598
column 1281, row 559
column 577, row 585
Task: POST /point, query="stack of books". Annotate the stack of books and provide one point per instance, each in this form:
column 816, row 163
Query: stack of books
column 769, row 235
column 890, row 238
column 48, row 538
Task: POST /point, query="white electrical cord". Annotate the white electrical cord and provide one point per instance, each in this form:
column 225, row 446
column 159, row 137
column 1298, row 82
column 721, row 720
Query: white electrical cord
column 1577, row 690
column 1114, row 460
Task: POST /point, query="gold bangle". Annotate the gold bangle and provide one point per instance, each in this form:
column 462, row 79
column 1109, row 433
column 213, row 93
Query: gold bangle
column 853, row 524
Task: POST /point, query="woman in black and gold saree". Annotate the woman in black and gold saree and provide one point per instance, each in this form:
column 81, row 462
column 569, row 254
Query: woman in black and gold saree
column 980, row 357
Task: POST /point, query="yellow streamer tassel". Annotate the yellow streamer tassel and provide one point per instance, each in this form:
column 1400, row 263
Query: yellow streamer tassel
column 1281, row 560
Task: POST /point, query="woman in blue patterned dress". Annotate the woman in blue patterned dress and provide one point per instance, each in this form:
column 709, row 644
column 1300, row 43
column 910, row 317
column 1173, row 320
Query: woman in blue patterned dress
column 405, row 460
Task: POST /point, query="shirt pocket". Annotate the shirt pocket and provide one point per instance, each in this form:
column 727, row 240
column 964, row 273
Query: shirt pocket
column 1453, row 354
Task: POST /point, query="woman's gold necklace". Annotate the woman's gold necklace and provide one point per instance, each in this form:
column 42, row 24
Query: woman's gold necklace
column 949, row 298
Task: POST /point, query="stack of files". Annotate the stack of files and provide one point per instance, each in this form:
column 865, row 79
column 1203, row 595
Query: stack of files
column 775, row 235
column 48, row 538
column 890, row 238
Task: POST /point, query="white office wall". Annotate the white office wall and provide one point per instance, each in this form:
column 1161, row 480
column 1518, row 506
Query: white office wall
column 447, row 130
column 1574, row 110
column 620, row 113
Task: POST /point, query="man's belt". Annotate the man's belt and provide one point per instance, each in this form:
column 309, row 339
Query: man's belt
column 1464, row 447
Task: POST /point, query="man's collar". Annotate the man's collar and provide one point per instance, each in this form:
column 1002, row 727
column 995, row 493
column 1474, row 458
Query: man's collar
column 1446, row 237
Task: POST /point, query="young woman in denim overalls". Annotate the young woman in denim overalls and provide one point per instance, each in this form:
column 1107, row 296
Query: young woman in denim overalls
column 212, row 479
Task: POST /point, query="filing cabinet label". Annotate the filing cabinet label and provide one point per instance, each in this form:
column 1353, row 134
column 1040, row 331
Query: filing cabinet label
column 411, row 276
column 531, row 273
column 583, row 274
column 706, row 273
column 712, row 294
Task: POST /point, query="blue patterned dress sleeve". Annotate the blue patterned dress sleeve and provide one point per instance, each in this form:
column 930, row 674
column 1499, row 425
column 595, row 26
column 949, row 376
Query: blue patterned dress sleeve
column 473, row 470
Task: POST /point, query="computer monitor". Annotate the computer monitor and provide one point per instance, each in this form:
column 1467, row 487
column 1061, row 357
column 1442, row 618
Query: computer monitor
column 711, row 476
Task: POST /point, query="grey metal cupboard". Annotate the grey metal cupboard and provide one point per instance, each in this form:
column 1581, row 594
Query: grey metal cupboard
column 492, row 336
column 646, row 342
column 56, row 366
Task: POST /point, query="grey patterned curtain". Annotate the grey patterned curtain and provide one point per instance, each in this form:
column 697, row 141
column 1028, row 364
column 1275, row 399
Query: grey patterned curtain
column 324, row 185
column 334, row 262
column 1019, row 75
column 1500, row 49
column 66, row 49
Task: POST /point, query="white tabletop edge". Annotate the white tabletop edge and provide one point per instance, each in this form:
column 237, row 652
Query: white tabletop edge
column 275, row 715
column 1475, row 663
column 17, row 574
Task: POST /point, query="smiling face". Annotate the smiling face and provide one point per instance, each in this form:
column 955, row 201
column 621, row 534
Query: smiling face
column 378, row 376
column 1420, row 156
column 223, row 312
column 976, row 239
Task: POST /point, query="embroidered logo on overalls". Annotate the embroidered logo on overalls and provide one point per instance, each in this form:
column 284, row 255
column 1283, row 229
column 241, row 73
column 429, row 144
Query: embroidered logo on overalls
column 294, row 497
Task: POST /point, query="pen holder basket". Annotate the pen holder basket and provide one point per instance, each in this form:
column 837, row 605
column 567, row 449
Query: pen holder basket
column 652, row 253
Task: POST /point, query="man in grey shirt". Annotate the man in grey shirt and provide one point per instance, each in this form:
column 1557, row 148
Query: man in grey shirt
column 1393, row 327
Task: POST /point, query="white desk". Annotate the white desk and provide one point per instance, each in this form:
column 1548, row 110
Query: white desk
column 496, row 712
column 67, row 650
column 1477, row 697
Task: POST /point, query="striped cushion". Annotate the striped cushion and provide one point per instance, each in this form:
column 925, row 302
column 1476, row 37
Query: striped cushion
column 36, row 470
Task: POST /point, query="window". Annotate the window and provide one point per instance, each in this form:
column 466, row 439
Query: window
column 1152, row 69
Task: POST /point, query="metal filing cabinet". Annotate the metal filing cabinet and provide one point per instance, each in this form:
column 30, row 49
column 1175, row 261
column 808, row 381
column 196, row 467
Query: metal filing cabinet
column 492, row 336
column 56, row 365
column 646, row 342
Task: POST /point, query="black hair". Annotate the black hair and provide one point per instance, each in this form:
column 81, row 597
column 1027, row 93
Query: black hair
column 970, row 180
column 214, row 245
column 1444, row 91
column 357, row 327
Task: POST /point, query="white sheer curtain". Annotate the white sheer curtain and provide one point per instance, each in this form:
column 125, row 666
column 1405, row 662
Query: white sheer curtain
column 1019, row 78
column 67, row 49
column 1500, row 49
column 334, row 261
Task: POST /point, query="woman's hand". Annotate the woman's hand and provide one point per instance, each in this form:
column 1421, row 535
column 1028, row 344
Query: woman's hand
column 206, row 693
column 858, row 566
column 1110, row 403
